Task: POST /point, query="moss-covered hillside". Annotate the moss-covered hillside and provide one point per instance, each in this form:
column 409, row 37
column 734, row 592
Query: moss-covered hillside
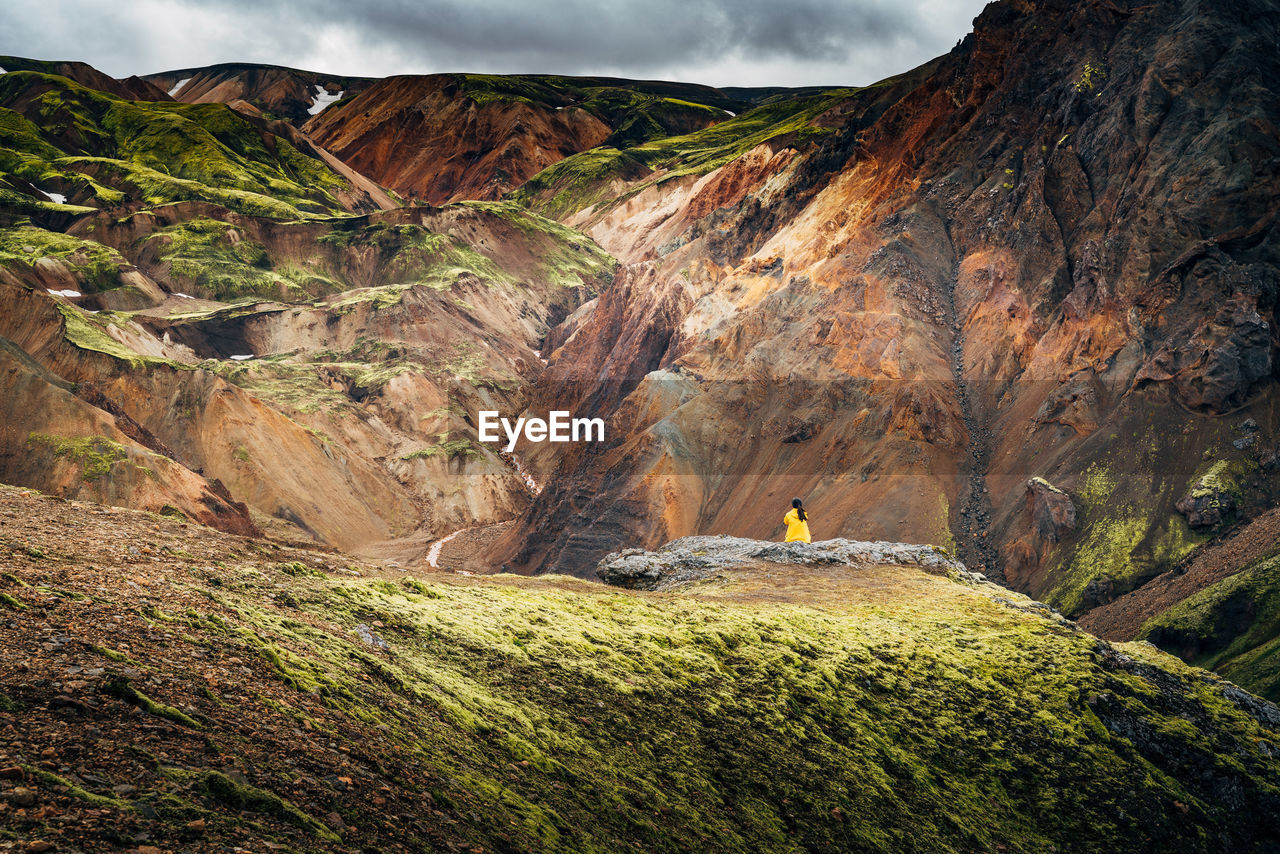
column 64, row 147
column 1232, row 626
column 589, row 178
column 195, row 690
column 636, row 110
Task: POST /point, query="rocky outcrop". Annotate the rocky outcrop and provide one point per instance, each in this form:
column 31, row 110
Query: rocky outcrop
column 690, row 559
column 1220, row 364
column 1212, row 499
column 1052, row 510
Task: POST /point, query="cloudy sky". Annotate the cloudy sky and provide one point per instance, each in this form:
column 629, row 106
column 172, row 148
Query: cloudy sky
column 718, row 42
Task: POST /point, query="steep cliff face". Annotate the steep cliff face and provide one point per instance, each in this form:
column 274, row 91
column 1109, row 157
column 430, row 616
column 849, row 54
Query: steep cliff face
column 447, row 137
column 276, row 92
column 1051, row 253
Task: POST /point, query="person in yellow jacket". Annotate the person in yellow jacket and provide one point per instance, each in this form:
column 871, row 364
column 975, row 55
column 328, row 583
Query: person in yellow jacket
column 797, row 523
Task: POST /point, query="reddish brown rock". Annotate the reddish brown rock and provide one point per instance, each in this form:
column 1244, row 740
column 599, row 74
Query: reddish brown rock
column 1052, row 511
column 1032, row 255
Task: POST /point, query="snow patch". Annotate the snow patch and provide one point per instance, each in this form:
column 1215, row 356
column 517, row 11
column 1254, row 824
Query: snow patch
column 55, row 197
column 2, row 71
column 242, row 358
column 730, row 112
column 178, row 86
column 184, row 296
column 323, row 99
column 66, row 293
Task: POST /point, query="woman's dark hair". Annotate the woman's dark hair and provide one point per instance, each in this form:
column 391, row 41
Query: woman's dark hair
column 799, row 505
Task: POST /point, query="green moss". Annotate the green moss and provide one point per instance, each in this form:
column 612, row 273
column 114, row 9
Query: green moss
column 215, row 259
column 49, row 780
column 377, row 298
column 289, row 385
column 55, row 130
column 908, row 712
column 1092, row 76
column 119, row 687
column 11, row 603
column 583, row 179
column 567, row 257
column 298, row 568
column 243, row 796
column 1129, row 530
column 96, row 455
column 1232, row 626
column 412, row 254
column 89, row 332
column 447, row 449
column 112, row 654
column 1223, row 484
column 95, row 267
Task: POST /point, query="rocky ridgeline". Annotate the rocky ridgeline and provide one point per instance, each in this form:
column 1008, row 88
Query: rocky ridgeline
column 694, row 558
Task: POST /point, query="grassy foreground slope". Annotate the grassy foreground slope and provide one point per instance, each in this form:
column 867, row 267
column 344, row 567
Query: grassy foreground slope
column 191, row 689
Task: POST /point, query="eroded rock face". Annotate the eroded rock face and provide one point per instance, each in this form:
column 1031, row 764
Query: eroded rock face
column 694, row 558
column 1051, row 252
column 1052, row 510
column 1207, row 506
column 1222, row 361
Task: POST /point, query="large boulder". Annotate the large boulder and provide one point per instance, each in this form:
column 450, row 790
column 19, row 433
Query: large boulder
column 692, row 558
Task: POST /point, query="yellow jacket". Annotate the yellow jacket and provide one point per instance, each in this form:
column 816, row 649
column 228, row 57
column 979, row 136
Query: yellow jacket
column 797, row 528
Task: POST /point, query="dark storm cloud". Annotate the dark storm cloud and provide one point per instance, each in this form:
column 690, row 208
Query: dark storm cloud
column 633, row 33
column 753, row 42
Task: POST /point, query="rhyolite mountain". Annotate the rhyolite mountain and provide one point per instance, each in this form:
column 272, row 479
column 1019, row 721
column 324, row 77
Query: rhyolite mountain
column 269, row 90
column 1015, row 307
column 446, row 137
column 1018, row 303
column 206, row 314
